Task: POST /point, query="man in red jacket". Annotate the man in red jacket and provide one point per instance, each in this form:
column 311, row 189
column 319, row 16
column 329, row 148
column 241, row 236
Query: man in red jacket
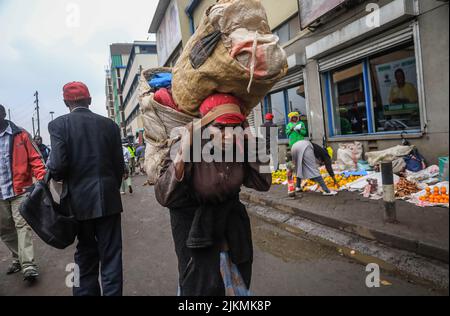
column 20, row 161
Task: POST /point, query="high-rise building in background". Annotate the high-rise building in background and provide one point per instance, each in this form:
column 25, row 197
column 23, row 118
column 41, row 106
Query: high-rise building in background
column 143, row 56
column 120, row 54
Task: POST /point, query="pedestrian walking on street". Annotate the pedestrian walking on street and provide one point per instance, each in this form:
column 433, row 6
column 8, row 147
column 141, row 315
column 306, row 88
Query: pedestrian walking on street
column 126, row 181
column 20, row 162
column 305, row 156
column 87, row 156
column 209, row 223
column 45, row 151
column 269, row 128
column 132, row 158
column 140, row 156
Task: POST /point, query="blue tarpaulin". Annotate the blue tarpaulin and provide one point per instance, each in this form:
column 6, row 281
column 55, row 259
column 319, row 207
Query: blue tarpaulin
column 161, row 80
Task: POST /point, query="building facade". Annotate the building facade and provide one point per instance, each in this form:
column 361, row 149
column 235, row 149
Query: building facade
column 143, row 56
column 368, row 71
column 120, row 54
column 109, row 92
column 371, row 73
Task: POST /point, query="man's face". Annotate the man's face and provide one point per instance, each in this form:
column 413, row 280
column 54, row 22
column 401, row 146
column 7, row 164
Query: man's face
column 38, row 141
column 400, row 78
column 295, row 119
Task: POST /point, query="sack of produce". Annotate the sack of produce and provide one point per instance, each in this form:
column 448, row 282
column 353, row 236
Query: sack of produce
column 233, row 51
column 390, row 154
column 348, row 155
column 160, row 121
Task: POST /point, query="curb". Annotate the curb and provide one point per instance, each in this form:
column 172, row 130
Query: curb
column 418, row 247
column 409, row 265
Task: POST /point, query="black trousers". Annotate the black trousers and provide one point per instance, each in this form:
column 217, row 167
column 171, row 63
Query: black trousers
column 99, row 249
column 199, row 269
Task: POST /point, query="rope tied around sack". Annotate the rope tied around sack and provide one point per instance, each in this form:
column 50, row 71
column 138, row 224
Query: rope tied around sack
column 253, row 61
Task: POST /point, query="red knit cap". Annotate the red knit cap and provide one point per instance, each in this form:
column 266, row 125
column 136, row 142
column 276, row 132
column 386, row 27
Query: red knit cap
column 76, row 91
column 216, row 100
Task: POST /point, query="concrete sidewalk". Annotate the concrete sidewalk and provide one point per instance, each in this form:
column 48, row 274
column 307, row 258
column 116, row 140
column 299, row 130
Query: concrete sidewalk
column 424, row 231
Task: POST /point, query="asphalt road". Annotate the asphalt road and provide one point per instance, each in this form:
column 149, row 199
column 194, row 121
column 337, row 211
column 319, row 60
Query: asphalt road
column 284, row 264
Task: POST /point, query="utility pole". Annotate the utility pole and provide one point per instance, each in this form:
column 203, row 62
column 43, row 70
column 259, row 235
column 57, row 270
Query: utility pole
column 9, row 114
column 52, row 113
column 34, row 130
column 38, row 132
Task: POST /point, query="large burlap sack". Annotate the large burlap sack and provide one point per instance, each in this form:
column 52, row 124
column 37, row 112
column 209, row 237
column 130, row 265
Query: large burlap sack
column 213, row 69
column 390, row 154
column 160, row 124
column 348, row 155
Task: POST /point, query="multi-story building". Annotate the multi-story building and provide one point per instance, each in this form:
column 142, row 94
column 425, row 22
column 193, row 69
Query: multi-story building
column 143, row 56
column 120, row 54
column 109, row 95
column 368, row 71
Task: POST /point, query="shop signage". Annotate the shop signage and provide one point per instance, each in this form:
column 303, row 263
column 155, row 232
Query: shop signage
column 311, row 10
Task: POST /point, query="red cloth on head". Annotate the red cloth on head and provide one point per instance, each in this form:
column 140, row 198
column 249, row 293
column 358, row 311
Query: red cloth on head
column 269, row 116
column 164, row 97
column 76, row 91
column 216, row 100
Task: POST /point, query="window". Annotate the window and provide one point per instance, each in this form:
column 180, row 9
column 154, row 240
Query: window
column 394, row 87
column 288, row 30
column 281, row 103
column 348, row 101
column 278, row 109
column 297, row 102
column 375, row 95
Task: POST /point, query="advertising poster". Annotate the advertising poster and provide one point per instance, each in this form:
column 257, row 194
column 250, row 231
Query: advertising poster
column 387, row 82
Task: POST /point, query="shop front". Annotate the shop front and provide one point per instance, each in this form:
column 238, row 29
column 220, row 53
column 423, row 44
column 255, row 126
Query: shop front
column 377, row 91
column 287, row 96
column 377, row 86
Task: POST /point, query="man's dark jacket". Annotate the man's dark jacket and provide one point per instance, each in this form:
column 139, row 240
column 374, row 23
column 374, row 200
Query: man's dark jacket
column 87, row 156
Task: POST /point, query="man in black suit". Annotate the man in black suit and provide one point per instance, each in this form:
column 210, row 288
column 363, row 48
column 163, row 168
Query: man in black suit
column 87, row 156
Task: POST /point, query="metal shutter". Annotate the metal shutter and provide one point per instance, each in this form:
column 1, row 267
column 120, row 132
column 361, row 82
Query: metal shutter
column 367, row 49
column 291, row 79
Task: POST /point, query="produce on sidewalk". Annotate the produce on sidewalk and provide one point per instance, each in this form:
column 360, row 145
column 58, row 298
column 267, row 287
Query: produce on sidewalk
column 405, row 188
column 435, row 195
column 342, row 182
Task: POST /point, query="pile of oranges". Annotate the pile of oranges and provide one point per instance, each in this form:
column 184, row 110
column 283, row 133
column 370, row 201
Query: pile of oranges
column 436, row 196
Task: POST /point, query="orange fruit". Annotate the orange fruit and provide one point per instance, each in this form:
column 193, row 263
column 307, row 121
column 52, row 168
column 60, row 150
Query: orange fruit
column 428, row 189
column 443, row 190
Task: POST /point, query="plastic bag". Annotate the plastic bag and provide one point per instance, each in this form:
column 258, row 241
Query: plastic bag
column 234, row 283
column 161, row 80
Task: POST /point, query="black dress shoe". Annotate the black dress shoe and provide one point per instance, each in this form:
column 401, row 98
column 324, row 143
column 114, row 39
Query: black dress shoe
column 15, row 267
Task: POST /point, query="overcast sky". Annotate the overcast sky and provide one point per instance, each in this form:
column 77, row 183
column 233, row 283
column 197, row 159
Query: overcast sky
column 45, row 44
